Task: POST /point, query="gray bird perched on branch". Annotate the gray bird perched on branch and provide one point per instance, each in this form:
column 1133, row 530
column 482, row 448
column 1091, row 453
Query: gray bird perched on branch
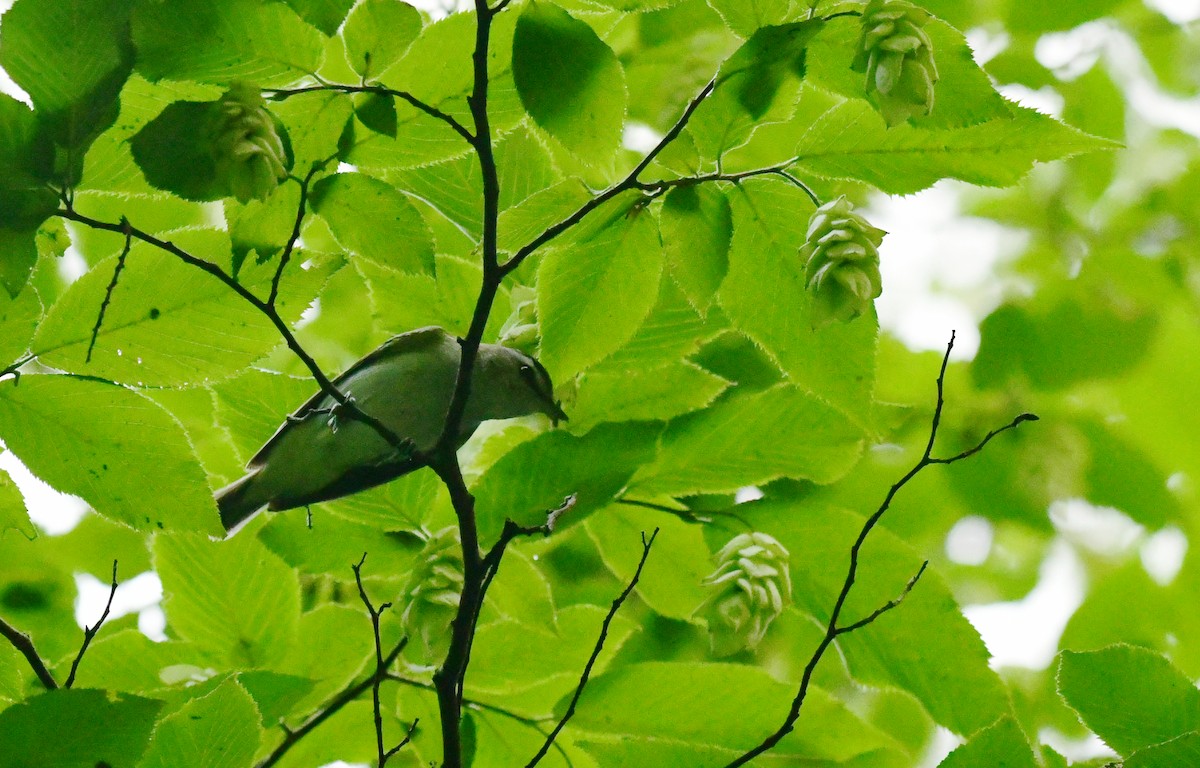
column 319, row 454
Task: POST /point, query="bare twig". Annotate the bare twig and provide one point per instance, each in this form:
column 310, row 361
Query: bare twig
column 328, row 710
column 90, row 632
column 889, row 605
column 301, row 210
column 591, row 662
column 834, row 628
column 24, row 644
column 429, row 109
column 112, row 286
column 381, row 668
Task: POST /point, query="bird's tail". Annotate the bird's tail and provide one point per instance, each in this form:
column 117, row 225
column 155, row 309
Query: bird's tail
column 238, row 501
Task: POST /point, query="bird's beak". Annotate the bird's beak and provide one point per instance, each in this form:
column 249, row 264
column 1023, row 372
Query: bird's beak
column 556, row 413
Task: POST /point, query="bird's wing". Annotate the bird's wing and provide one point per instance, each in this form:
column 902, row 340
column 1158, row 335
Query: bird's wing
column 407, row 342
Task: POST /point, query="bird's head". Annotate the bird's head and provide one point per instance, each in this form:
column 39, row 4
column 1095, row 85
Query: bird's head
column 510, row 383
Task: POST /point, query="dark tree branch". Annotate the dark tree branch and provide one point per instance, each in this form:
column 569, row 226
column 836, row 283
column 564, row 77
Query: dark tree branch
column 301, row 210
column 112, row 286
column 278, row 94
column 381, row 669
column 591, row 662
column 834, row 628
column 90, row 632
column 24, row 644
column 335, row 704
column 629, row 182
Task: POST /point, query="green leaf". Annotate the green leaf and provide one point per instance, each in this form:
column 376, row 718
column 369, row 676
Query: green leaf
column 710, row 711
column 1131, row 697
column 1050, row 342
column 225, row 40
column 569, row 81
column 378, row 112
column 13, row 514
column 403, row 301
column 128, row 661
column 164, row 315
column 76, row 729
column 537, row 475
column 233, row 598
column 377, row 33
column 218, row 730
column 521, row 224
column 765, row 298
column 613, row 393
column 113, row 447
column 262, row 227
column 594, row 292
column 530, row 667
column 851, row 141
column 671, row 583
column 336, row 645
column 745, row 17
column 72, row 59
column 397, row 236
column 19, row 318
column 751, row 439
column 325, row 15
column 331, row 545
column 275, row 695
column 697, row 225
column 314, row 122
column 755, row 72
column 1002, row 744
column 1184, row 750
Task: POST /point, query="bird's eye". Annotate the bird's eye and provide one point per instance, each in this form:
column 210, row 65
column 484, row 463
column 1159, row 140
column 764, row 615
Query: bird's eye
column 525, row 369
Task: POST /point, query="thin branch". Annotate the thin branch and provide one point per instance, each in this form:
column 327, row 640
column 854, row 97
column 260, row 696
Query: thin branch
column 629, row 182
column 846, row 629
column 90, row 632
column 323, row 381
column 112, row 286
column 23, row 643
column 987, row 439
column 347, row 695
column 279, row 94
column 591, row 662
column 835, row 629
column 687, row 515
column 301, row 209
column 381, row 667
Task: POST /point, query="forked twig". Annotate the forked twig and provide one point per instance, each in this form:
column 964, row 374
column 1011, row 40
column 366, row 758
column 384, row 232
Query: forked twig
column 834, row 628
column 591, row 662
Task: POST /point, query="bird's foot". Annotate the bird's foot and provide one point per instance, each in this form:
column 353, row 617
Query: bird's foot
column 335, row 412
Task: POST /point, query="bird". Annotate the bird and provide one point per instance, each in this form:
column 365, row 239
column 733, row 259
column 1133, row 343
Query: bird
column 320, row 453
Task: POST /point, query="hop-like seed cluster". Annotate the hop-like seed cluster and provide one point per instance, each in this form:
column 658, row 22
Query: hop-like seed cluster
column 751, row 588
column 520, row 330
column 841, row 262
column 248, row 152
column 432, row 594
column 897, row 56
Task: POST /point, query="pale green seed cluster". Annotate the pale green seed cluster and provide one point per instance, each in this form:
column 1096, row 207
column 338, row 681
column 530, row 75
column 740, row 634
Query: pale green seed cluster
column 249, row 154
column 897, row 55
column 751, row 588
column 841, row 262
column 432, row 594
